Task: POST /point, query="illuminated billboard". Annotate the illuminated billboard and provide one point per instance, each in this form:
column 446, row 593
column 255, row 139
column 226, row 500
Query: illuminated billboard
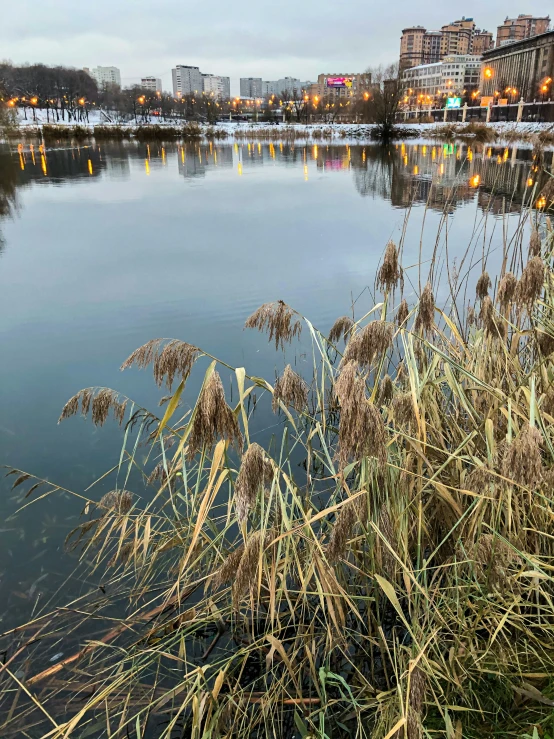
column 453, row 102
column 338, row 82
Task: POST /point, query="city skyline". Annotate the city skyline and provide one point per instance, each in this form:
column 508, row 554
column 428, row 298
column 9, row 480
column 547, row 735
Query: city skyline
column 221, row 41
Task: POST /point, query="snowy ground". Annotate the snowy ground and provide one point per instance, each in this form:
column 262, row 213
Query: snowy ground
column 330, row 130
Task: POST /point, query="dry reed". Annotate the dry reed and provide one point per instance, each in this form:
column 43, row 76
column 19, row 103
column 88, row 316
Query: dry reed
column 483, row 285
column 506, row 291
column 361, row 428
column 425, row 319
column 279, row 320
column 530, row 284
column 255, row 472
column 373, row 340
column 169, row 358
column 390, row 272
column 522, row 461
column 341, row 328
column 213, row 418
column 402, row 313
column 101, row 400
column 290, row 389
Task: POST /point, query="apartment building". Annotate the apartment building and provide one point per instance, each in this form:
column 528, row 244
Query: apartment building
column 216, row 86
column 106, row 76
column 522, row 27
column 461, row 37
column 152, row 84
column 187, row 80
column 251, row 87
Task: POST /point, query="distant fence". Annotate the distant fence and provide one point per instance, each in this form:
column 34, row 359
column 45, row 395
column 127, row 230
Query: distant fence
column 536, row 112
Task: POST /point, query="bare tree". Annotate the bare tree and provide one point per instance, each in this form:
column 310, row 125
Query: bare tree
column 384, row 99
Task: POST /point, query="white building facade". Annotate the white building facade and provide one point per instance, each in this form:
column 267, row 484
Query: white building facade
column 106, row 76
column 152, row 84
column 217, row 86
column 187, row 80
column 454, row 74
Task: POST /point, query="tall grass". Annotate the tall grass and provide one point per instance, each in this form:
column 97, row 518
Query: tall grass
column 396, row 583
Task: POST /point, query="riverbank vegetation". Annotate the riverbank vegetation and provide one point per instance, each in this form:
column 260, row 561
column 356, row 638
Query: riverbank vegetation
column 382, row 568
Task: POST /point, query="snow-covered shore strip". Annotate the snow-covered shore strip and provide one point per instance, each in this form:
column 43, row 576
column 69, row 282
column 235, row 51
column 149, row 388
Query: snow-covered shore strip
column 300, row 130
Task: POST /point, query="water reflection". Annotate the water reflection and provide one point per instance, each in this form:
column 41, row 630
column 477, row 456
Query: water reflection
column 443, row 176
column 115, row 244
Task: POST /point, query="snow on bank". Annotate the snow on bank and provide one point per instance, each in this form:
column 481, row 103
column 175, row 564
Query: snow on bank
column 300, row 130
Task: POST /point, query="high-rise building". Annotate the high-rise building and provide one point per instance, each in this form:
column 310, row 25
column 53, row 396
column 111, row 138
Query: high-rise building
column 412, row 44
column 217, row 86
column 187, row 80
column 284, row 84
column 482, row 41
column 457, row 37
column 152, row 84
column 420, row 46
column 251, row 87
column 106, row 76
column 522, row 27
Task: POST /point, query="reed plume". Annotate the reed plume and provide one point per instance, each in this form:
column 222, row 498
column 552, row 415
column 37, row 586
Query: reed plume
column 213, row 418
column 493, row 559
column 291, row 390
column 506, row 291
column 278, row 319
column 228, row 569
column 530, row 284
column 403, row 410
column 158, row 474
column 386, row 390
column 361, row 427
column 545, row 342
column 246, row 573
column 402, row 313
column 493, row 324
column 352, row 512
column 370, row 342
column 425, row 318
column 341, row 327
column 390, row 272
column 255, row 472
column 483, row 285
column 101, row 400
column 118, row 501
column 522, row 460
column 168, row 357
column 534, row 244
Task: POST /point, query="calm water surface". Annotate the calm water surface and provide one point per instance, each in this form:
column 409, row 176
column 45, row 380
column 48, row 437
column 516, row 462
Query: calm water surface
column 106, row 247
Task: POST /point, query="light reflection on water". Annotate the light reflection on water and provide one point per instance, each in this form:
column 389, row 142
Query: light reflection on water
column 107, row 246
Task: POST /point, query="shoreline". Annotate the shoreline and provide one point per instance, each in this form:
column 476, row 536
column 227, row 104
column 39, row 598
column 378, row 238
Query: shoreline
column 179, row 129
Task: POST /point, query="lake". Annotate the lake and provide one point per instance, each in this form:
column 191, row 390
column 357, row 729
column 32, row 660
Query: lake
column 104, row 247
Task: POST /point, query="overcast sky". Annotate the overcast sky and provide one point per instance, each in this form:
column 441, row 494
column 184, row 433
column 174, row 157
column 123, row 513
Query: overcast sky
column 236, row 39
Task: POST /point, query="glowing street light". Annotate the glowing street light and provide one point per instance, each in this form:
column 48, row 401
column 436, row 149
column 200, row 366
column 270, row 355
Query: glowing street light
column 488, row 73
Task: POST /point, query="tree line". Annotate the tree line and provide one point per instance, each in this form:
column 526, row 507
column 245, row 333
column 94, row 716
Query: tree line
column 68, row 95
